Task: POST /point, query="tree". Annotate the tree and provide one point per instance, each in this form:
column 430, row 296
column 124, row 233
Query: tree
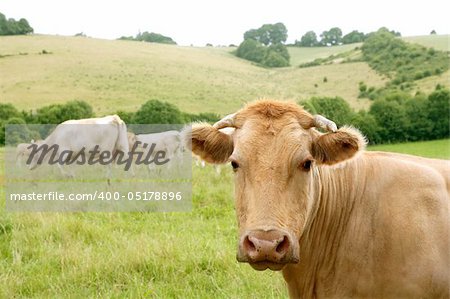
column 150, row 37
column 268, row 34
column 281, row 50
column 336, row 109
column 419, row 126
column 126, row 116
column 274, row 59
column 154, row 38
column 331, row 37
column 13, row 27
column 367, row 124
column 57, row 113
column 157, row 112
column 353, row 37
column 392, row 120
column 265, row 45
column 309, row 39
column 438, row 113
column 17, row 132
column 252, row 50
column 7, row 111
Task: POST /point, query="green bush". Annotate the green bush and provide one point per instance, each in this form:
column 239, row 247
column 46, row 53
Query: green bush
column 7, row 111
column 367, row 124
column 126, row 116
column 16, row 134
column 274, row 59
column 438, row 108
column 392, row 119
column 251, row 50
column 157, row 112
column 336, row 109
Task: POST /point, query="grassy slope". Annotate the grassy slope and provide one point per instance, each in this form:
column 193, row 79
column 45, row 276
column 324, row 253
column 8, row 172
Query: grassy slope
column 302, row 54
column 439, row 42
column 114, row 75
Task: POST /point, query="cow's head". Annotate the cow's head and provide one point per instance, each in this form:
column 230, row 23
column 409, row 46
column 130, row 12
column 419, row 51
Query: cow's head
column 275, row 153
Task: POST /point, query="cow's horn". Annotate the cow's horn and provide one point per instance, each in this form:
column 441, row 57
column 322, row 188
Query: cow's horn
column 324, row 123
column 227, row 121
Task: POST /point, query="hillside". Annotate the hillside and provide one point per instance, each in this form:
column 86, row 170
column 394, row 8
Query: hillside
column 439, row 42
column 120, row 75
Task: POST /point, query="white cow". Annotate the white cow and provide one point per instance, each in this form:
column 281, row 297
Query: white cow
column 168, row 142
column 23, row 151
column 81, row 137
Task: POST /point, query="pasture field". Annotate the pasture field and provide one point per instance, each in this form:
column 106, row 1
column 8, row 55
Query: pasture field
column 142, row 255
column 439, row 41
column 121, row 75
column 301, row 55
column 132, row 255
column 116, row 75
column 432, row 149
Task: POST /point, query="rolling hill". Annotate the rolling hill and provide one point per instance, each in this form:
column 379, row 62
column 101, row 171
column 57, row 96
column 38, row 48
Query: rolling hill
column 113, row 75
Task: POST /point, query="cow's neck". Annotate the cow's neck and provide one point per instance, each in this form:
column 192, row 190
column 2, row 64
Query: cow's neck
column 335, row 193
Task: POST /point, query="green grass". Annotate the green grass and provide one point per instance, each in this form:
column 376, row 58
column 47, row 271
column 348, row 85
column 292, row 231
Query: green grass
column 301, row 55
column 132, row 255
column 432, row 149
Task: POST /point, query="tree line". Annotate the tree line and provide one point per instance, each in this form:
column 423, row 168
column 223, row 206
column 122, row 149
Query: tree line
column 13, row 27
column 395, row 117
column 266, row 44
column 150, row 37
column 151, row 112
column 334, row 37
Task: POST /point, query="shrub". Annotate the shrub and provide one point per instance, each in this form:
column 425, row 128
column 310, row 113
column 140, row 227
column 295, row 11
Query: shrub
column 438, row 108
column 336, row 109
column 391, row 118
column 274, row 59
column 367, row 124
column 157, row 112
column 57, row 113
column 251, row 50
column 126, row 116
column 8, row 111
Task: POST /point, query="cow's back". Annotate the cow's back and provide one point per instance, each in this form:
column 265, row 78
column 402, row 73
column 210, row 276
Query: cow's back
column 441, row 166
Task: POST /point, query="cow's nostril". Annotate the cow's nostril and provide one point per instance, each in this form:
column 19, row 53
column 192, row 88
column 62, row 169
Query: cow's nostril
column 249, row 246
column 283, row 246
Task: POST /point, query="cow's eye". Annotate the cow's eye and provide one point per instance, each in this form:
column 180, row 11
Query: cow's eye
column 306, row 165
column 235, row 165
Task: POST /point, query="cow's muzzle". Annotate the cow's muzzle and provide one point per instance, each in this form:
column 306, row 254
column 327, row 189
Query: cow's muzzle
column 271, row 249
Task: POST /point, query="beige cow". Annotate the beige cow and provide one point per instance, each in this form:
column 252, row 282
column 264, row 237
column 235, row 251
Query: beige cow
column 338, row 221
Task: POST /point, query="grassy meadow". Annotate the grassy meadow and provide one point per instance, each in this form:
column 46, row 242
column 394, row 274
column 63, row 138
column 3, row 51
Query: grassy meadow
column 439, row 149
column 132, row 255
column 121, row 75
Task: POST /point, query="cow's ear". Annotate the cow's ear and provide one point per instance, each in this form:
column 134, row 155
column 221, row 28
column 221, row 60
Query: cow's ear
column 210, row 144
column 335, row 147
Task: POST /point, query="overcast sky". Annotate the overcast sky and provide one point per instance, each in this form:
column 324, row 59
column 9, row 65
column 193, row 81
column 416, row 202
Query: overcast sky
column 223, row 22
